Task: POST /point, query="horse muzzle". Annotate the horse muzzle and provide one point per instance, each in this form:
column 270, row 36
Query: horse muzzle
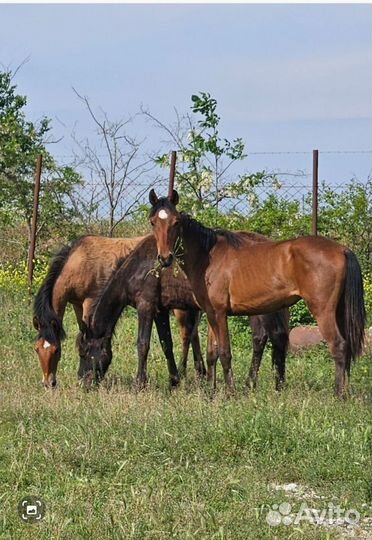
column 165, row 262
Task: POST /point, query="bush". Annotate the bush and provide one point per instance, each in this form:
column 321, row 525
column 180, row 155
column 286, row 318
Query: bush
column 368, row 297
column 16, row 276
column 300, row 315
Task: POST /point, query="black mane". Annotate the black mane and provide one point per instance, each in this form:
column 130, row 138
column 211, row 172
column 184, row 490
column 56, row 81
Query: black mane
column 207, row 236
column 112, row 296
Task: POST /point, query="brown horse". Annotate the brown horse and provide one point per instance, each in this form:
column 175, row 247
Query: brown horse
column 136, row 282
column 75, row 275
column 230, row 276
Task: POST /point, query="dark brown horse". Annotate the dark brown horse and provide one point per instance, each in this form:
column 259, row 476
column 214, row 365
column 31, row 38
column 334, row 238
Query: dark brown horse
column 139, row 283
column 229, row 276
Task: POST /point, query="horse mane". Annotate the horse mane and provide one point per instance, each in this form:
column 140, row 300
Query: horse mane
column 101, row 296
column 254, row 236
column 49, row 324
column 208, row 237
column 111, row 298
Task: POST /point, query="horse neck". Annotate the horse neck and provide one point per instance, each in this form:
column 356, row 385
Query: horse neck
column 110, row 306
column 195, row 254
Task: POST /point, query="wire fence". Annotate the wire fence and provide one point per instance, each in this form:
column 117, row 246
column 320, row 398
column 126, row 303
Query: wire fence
column 289, row 177
column 291, row 181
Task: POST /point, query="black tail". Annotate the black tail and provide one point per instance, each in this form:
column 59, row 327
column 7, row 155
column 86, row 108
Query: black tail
column 354, row 310
column 46, row 320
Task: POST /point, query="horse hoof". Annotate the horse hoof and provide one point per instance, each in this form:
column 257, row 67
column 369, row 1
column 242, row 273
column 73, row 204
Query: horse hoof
column 174, row 382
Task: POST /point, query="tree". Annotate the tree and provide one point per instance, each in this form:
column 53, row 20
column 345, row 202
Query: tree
column 115, row 166
column 346, row 216
column 20, row 142
column 205, row 160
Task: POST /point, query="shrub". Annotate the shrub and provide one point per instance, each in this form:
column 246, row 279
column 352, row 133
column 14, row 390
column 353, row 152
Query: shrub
column 16, row 276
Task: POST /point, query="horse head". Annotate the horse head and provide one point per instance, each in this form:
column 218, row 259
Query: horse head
column 95, row 356
column 165, row 221
column 49, row 353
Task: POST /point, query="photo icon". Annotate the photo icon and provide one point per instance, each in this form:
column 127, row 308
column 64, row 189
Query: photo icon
column 31, row 509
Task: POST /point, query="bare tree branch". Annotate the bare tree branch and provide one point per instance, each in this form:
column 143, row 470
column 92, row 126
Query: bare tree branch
column 119, row 167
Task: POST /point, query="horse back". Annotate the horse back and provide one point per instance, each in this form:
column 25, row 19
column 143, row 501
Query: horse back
column 89, row 265
column 264, row 276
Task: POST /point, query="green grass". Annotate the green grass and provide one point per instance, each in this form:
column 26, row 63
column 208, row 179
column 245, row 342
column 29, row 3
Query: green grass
column 116, row 464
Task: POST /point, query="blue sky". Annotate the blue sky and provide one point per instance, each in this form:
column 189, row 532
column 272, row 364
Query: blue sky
column 286, row 77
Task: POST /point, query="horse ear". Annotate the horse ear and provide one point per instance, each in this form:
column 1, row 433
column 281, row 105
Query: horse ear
column 35, row 322
column 153, row 198
column 174, row 198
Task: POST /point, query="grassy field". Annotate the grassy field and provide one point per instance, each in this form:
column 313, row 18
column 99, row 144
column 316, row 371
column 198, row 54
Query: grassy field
column 115, row 464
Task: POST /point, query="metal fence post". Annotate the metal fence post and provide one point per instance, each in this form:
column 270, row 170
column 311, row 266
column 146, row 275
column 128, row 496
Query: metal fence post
column 314, row 228
column 31, row 252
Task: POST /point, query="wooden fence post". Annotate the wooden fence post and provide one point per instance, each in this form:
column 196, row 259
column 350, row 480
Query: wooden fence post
column 172, row 173
column 31, row 252
column 314, row 227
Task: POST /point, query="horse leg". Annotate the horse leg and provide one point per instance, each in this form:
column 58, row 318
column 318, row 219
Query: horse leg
column 182, row 320
column 259, row 340
column 196, row 349
column 192, row 324
column 165, row 337
column 329, row 329
column 78, row 309
column 87, row 304
column 278, row 330
column 224, row 349
column 145, row 320
column 82, row 312
column 212, row 355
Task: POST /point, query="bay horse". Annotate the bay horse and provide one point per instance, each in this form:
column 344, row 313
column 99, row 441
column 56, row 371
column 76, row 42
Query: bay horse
column 75, row 276
column 230, row 276
column 137, row 282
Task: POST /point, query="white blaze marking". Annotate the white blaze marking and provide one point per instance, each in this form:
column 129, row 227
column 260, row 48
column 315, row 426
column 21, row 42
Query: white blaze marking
column 163, row 214
column 46, row 344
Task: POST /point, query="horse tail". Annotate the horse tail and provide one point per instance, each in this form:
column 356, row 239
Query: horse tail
column 46, row 320
column 354, row 314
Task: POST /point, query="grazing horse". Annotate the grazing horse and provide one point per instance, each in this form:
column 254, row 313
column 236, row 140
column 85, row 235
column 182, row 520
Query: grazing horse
column 139, row 283
column 75, row 275
column 230, row 276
